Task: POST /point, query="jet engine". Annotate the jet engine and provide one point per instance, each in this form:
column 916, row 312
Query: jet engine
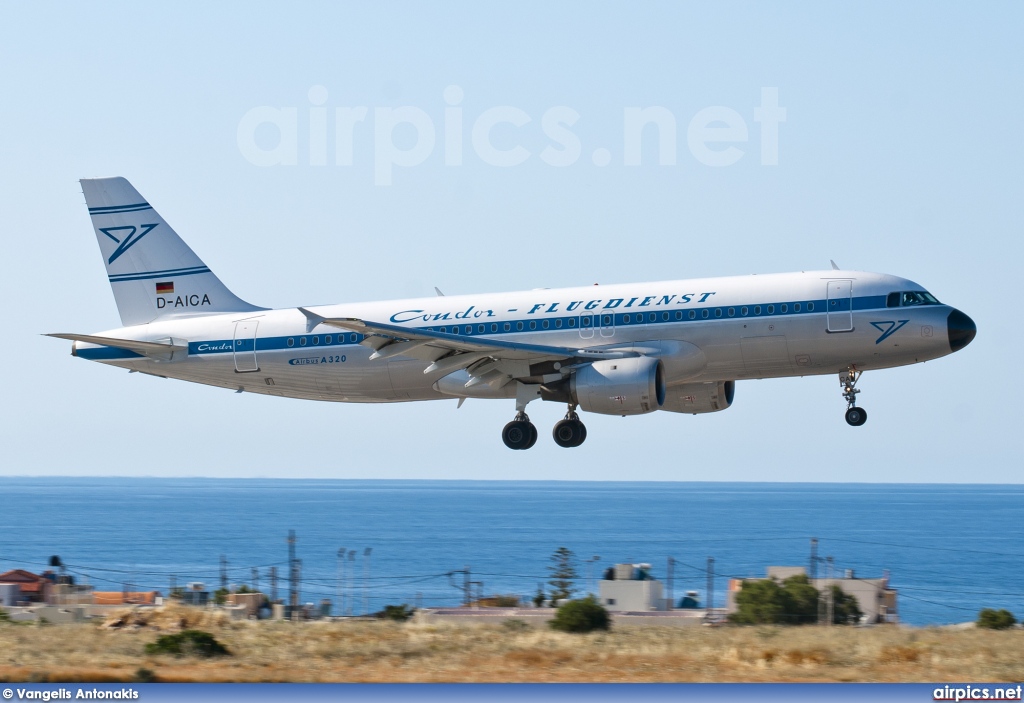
column 629, row 386
column 700, row 397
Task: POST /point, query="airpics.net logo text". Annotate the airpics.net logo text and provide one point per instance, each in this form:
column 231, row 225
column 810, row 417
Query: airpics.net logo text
column 716, row 136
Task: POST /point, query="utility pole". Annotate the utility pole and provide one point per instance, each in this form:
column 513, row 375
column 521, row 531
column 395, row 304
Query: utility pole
column 341, row 580
column 466, row 587
column 830, row 601
column 813, row 571
column 223, row 572
column 670, row 578
column 592, row 582
column 174, row 585
column 711, row 587
column 293, row 594
column 256, row 579
column 351, row 581
column 273, row 584
column 366, row 580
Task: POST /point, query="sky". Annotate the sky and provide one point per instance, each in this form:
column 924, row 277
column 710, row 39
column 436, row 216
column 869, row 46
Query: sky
column 897, row 148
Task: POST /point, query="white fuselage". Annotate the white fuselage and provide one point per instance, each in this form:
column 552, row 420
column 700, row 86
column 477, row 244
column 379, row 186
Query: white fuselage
column 759, row 326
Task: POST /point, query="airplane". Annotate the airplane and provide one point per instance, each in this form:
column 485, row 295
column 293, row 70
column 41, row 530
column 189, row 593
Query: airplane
column 625, row 349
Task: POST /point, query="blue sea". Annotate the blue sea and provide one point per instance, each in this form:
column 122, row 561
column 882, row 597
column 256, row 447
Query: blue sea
column 950, row 550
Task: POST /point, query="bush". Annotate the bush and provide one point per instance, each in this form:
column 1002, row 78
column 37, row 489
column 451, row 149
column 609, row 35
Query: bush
column 996, row 619
column 792, row 602
column 398, row 613
column 845, row 610
column 515, row 625
column 195, row 643
column 583, row 615
column 144, row 675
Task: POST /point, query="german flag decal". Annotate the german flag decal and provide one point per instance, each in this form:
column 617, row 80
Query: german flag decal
column 165, row 288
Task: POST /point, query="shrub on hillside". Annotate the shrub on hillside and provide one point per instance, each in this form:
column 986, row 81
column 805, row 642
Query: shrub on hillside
column 792, row 602
column 1001, row 619
column 583, row 615
column 194, row 643
column 399, row 613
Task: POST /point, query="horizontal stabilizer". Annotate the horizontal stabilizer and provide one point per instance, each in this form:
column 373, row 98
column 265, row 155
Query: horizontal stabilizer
column 163, row 351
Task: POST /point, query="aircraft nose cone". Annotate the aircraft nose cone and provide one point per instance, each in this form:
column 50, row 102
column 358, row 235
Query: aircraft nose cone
column 961, row 330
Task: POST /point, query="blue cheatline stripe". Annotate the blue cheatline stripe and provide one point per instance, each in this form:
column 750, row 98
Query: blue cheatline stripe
column 165, row 272
column 111, row 209
column 588, row 321
column 143, row 277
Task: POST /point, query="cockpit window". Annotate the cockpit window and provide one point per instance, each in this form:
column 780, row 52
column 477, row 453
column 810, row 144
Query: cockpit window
column 910, row 298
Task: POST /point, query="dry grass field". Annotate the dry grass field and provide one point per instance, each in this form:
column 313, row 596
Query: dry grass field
column 419, row 652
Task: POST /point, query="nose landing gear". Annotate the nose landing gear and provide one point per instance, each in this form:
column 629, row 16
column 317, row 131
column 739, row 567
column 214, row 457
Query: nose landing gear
column 570, row 432
column 848, row 380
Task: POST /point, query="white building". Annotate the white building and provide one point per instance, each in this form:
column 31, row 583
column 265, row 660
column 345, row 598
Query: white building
column 874, row 597
column 630, row 588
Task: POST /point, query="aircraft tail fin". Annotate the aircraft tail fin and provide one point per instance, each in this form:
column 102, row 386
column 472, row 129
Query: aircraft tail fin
column 152, row 272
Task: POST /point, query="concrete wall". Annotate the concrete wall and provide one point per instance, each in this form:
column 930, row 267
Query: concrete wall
column 638, row 596
column 10, row 594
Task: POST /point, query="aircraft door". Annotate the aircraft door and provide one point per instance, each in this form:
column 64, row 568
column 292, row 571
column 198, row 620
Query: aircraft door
column 587, row 324
column 839, row 306
column 607, row 321
column 245, row 346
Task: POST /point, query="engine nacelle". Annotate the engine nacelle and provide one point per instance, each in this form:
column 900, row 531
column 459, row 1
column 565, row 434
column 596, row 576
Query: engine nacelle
column 629, row 386
column 700, row 397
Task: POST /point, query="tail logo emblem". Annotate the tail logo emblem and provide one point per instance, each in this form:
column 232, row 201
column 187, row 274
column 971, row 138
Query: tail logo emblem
column 127, row 239
column 888, row 328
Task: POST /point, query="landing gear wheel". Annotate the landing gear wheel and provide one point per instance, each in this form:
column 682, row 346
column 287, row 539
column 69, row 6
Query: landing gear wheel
column 569, row 433
column 533, row 435
column 856, row 416
column 519, row 434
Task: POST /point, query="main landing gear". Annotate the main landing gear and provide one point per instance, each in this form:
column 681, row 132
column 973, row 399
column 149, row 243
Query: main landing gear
column 848, row 380
column 570, row 432
column 522, row 434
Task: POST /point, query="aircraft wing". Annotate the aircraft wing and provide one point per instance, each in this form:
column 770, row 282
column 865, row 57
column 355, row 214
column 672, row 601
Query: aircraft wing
column 450, row 352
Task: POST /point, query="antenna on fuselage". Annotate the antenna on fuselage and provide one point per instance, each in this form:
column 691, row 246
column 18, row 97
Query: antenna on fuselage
column 438, row 291
column 834, row 267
